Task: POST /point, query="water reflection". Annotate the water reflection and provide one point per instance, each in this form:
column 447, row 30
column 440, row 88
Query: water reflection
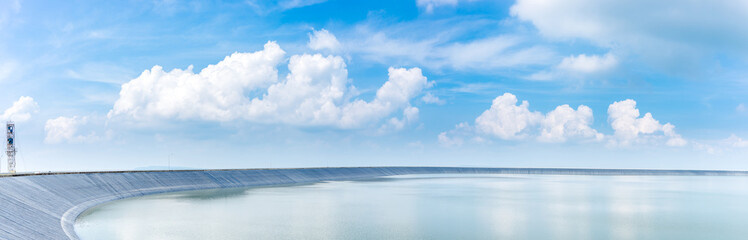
column 439, row 207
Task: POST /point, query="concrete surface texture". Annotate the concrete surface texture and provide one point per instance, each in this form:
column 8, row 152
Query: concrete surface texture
column 45, row 206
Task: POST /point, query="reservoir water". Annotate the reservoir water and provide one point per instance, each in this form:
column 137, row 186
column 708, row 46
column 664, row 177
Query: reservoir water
column 439, row 207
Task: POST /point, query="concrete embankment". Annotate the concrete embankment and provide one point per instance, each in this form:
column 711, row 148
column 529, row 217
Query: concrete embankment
column 45, row 206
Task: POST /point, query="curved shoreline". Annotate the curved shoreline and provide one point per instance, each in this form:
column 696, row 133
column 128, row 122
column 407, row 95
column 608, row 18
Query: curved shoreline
column 46, row 205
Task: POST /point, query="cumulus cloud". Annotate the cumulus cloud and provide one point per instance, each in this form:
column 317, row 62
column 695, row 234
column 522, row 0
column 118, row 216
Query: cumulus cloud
column 506, row 119
column 564, row 122
column 323, row 39
column 456, row 136
column 217, row 93
column 674, row 139
column 410, row 115
column 448, row 141
column 21, row 110
column 403, row 85
column 624, row 118
column 315, row 92
column 65, row 129
column 629, row 128
column 430, row 98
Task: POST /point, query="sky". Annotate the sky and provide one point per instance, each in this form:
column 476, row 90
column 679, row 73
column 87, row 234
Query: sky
column 99, row 85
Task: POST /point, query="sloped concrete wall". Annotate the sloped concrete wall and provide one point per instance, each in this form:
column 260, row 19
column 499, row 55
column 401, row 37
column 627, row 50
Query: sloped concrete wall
column 45, row 206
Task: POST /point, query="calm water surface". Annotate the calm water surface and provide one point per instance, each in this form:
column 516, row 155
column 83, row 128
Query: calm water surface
column 439, row 207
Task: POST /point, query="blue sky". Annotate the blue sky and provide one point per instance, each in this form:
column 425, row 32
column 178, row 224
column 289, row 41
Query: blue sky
column 611, row 84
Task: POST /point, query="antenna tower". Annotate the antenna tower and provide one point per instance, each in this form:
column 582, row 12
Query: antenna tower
column 11, row 149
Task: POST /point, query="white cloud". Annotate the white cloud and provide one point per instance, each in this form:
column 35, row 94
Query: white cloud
column 403, row 85
column 438, row 51
column 103, row 73
column 493, row 52
column 217, row 93
column 430, row 98
column 505, row 119
column 668, row 34
column 316, row 92
column 410, row 115
column 629, row 128
column 729, row 144
column 65, row 129
column 588, row 64
column 429, row 5
column 456, row 136
column 735, row 141
column 21, row 110
column 542, row 76
column 565, row 122
column 378, row 46
column 310, row 95
column 323, row 39
column 508, row 120
column 674, row 139
column 624, row 118
column 579, row 66
column 609, row 22
column 445, row 140
column 264, row 7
